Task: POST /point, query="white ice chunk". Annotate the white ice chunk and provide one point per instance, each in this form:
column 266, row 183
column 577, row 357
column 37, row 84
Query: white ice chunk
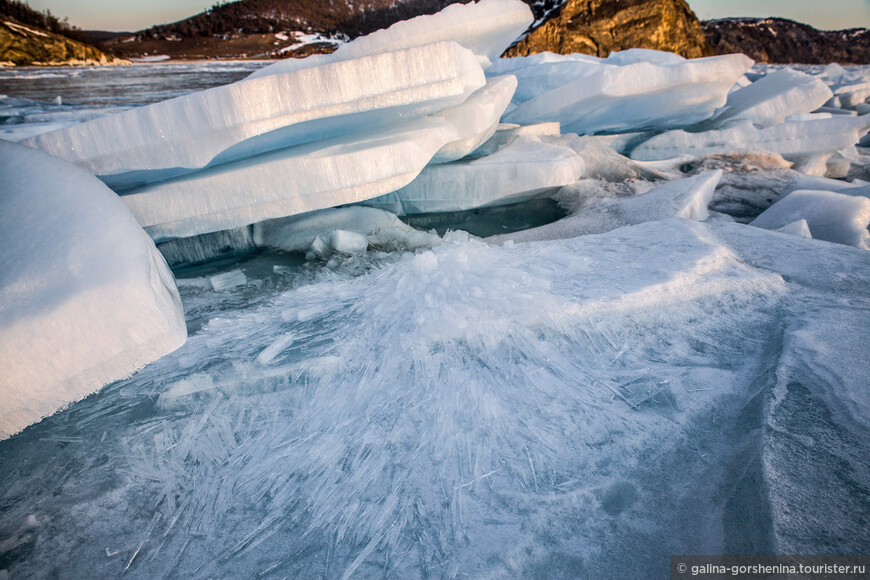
column 290, row 181
column 798, row 228
column 601, row 161
column 477, row 118
column 522, row 170
column 769, row 100
column 297, row 233
column 833, row 217
column 85, row 297
column 486, row 28
column 684, row 198
column 790, row 140
column 637, row 96
column 345, row 242
column 227, row 280
column 174, row 137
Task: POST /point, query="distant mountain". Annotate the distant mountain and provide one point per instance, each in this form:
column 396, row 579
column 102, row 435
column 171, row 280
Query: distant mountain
column 777, row 40
column 599, row 27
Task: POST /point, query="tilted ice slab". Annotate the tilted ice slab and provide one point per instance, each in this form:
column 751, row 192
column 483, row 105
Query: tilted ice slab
column 290, row 181
column 381, row 228
column 85, row 297
column 791, row 140
column 769, row 100
column 543, row 72
column 487, row 28
column 477, row 118
column 252, row 116
column 521, row 170
column 637, row 96
column 684, row 198
column 834, row 217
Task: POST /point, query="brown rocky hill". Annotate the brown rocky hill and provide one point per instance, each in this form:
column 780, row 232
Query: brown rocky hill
column 26, row 45
column 777, row 40
column 599, row 27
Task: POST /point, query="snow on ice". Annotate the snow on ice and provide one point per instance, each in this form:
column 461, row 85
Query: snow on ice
column 85, row 297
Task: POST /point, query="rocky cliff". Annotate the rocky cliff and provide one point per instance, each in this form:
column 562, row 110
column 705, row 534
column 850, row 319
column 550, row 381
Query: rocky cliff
column 599, row 27
column 777, row 40
column 24, row 45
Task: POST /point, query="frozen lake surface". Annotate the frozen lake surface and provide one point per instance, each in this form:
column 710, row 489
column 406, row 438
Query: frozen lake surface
column 548, row 405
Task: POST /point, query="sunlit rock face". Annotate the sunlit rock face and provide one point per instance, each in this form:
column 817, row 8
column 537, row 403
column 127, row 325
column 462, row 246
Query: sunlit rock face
column 599, row 27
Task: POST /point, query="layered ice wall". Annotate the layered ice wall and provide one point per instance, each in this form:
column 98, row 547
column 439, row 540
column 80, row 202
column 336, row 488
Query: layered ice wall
column 85, row 297
column 253, row 116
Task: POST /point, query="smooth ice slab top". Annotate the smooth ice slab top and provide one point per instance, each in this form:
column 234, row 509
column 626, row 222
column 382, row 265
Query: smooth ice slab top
column 252, row 116
column 85, row 297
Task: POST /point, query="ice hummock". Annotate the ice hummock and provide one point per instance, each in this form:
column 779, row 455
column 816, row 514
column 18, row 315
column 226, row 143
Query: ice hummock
column 685, row 198
column 633, row 97
column 833, row 217
column 220, row 125
column 771, row 99
column 85, row 297
column 485, row 27
column 792, row 139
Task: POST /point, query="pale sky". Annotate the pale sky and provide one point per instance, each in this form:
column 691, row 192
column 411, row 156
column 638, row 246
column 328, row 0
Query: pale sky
column 132, row 15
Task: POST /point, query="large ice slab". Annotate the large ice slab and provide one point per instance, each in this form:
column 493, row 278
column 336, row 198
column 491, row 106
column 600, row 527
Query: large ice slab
column 85, row 297
column 834, row 217
column 543, row 72
column 793, row 139
column 772, row 98
column 227, row 123
column 477, row 118
column 636, row 96
column 290, row 181
column 684, row 198
column 521, row 170
column 486, row 27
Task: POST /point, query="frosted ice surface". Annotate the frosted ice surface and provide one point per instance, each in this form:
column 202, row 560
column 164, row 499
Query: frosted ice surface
column 636, row 96
column 602, row 162
column 684, row 198
column 297, row 233
column 477, row 118
column 345, row 242
column 833, row 217
column 769, row 100
column 85, row 297
column 507, row 133
column 635, row 55
column 252, row 116
column 521, row 170
column 798, row 228
column 486, row 27
column 290, row 181
column 792, row 139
